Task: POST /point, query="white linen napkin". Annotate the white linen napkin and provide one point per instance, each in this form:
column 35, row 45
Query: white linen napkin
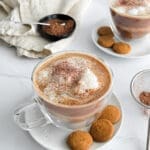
column 25, row 38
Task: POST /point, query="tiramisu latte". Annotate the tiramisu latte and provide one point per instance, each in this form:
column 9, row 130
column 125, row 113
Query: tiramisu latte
column 131, row 17
column 72, row 79
column 73, row 87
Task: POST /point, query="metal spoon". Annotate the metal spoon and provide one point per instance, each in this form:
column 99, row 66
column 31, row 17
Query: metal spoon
column 148, row 134
column 36, row 23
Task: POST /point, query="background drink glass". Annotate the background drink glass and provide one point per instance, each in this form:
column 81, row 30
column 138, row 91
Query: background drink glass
column 127, row 25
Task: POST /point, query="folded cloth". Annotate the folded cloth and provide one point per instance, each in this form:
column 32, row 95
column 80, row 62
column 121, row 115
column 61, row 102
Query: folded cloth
column 25, row 38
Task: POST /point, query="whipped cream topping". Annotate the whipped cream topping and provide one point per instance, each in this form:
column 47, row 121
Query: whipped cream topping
column 133, row 7
column 88, row 81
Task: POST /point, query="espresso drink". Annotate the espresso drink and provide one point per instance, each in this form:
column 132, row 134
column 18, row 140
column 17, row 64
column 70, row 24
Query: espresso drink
column 71, row 79
column 131, row 17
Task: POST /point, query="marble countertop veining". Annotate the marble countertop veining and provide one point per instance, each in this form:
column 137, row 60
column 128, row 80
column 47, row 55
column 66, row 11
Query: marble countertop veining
column 16, row 88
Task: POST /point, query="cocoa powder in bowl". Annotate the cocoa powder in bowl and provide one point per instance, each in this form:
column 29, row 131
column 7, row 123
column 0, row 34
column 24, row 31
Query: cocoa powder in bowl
column 145, row 98
column 58, row 27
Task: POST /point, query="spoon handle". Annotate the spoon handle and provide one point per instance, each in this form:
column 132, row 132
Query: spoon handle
column 33, row 23
column 148, row 134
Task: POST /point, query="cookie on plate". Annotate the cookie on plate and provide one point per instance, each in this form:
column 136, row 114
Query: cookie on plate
column 79, row 140
column 111, row 113
column 102, row 130
column 105, row 30
column 106, row 41
column 121, row 48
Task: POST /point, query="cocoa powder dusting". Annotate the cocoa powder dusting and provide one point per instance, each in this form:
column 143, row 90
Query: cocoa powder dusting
column 145, row 98
column 67, row 72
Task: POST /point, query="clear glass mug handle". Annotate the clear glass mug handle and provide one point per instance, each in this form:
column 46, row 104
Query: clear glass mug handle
column 31, row 115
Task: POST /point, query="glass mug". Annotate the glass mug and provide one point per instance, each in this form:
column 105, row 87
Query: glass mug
column 41, row 112
column 127, row 24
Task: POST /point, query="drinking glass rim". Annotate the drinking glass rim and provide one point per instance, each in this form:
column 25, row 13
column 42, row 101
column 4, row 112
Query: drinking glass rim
column 126, row 15
column 86, row 53
column 132, row 89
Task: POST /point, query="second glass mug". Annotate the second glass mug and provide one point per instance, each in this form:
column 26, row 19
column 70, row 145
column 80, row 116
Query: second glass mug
column 128, row 26
column 42, row 112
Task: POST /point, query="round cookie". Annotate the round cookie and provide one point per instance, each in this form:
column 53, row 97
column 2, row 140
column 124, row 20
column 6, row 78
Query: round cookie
column 105, row 30
column 121, row 48
column 106, row 41
column 102, row 130
column 79, row 140
column 111, row 113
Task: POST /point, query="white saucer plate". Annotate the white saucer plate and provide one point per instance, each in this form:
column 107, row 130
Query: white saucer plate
column 53, row 138
column 140, row 47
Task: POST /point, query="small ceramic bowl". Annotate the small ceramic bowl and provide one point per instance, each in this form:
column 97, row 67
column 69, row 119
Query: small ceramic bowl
column 140, row 83
column 54, row 37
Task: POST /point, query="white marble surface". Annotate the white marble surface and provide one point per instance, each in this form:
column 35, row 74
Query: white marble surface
column 15, row 88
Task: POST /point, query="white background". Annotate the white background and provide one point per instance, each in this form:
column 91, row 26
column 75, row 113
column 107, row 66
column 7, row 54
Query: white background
column 15, row 88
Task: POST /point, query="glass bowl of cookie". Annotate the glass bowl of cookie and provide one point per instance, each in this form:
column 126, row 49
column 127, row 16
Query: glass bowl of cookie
column 140, row 90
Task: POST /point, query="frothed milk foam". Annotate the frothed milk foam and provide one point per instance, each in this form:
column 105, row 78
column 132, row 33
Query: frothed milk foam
column 71, row 79
column 132, row 7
